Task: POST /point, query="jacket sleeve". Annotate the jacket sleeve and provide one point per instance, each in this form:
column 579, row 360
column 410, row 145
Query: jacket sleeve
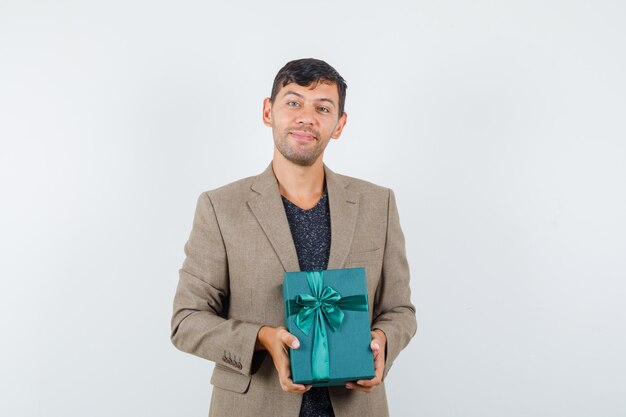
column 199, row 323
column 393, row 312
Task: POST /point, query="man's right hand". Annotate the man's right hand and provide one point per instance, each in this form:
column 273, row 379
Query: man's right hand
column 276, row 340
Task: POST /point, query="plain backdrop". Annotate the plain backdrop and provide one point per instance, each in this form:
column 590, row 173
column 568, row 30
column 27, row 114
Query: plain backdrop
column 499, row 125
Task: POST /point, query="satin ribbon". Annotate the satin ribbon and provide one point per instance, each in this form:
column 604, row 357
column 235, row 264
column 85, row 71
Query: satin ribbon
column 323, row 304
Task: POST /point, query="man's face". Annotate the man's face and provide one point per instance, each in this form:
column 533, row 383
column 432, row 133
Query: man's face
column 303, row 120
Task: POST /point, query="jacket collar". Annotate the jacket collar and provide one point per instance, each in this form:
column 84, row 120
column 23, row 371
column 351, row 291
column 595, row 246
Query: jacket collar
column 267, row 207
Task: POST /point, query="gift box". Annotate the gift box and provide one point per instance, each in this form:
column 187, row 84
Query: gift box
column 328, row 312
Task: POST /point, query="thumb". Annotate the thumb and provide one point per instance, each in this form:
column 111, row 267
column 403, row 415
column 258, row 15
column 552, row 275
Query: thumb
column 290, row 340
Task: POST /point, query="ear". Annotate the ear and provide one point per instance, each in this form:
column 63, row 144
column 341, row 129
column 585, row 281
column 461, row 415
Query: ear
column 267, row 112
column 340, row 125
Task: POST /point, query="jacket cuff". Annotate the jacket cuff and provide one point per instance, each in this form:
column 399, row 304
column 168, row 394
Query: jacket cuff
column 239, row 356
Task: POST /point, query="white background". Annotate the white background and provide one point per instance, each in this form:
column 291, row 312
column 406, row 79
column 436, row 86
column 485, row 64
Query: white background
column 500, row 126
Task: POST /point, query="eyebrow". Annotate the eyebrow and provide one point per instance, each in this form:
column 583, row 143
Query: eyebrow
column 317, row 99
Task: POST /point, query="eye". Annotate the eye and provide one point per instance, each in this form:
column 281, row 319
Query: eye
column 324, row 109
column 293, row 103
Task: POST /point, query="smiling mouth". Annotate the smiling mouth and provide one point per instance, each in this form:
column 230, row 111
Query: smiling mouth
column 303, row 136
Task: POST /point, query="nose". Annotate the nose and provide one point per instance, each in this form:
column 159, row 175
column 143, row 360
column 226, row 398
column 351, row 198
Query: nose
column 306, row 115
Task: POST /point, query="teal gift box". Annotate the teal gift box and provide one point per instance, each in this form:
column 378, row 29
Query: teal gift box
column 328, row 312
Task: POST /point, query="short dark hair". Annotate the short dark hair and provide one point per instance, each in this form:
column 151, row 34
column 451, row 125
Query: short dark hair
column 309, row 71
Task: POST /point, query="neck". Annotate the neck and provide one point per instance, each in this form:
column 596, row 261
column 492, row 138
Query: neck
column 296, row 182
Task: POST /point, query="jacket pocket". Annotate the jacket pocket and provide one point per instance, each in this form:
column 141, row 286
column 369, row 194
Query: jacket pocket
column 229, row 380
column 371, row 255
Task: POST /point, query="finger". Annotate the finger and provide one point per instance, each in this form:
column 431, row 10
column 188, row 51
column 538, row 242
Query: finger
column 356, row 387
column 284, row 377
column 288, row 385
column 379, row 366
column 289, row 339
column 375, row 346
column 379, row 369
column 369, row 382
column 379, row 362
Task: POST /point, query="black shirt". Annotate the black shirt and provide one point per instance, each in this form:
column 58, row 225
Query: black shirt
column 310, row 230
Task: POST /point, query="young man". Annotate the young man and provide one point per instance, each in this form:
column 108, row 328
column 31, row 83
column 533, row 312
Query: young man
column 296, row 215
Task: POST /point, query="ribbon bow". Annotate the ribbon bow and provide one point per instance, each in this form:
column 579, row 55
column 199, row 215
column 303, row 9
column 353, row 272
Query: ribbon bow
column 323, row 304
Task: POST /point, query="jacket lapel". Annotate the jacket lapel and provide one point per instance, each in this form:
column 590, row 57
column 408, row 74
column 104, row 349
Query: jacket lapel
column 267, row 207
column 344, row 207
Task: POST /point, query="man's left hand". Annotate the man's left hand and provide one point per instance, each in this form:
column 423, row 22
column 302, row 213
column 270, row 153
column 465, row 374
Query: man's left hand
column 378, row 344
